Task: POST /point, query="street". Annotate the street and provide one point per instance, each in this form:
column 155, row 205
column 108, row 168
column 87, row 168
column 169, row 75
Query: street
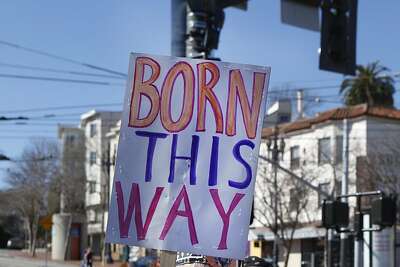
column 8, row 260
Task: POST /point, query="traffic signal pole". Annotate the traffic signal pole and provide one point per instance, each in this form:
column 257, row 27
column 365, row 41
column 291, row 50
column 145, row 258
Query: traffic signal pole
column 344, row 237
column 358, row 248
column 178, row 28
column 276, row 150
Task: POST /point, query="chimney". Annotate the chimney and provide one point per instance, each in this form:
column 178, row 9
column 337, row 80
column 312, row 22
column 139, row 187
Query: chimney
column 300, row 104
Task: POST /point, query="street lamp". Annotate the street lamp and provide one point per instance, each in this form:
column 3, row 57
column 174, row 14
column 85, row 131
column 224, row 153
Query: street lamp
column 275, row 149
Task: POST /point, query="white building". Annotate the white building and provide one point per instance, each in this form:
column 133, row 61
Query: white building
column 314, row 151
column 69, row 226
column 72, row 144
column 96, row 124
column 113, row 138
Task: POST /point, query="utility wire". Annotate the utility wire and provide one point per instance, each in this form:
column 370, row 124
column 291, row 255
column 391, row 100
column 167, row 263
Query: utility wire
column 32, row 131
column 42, row 78
column 82, row 73
column 26, row 137
column 43, row 53
column 61, row 108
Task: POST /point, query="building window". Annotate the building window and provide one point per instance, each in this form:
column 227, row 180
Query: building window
column 92, row 187
column 70, row 139
column 92, row 158
column 339, row 148
column 294, row 199
column 325, row 188
column 338, row 187
column 99, row 216
column 324, row 150
column 91, row 216
column 294, row 157
column 93, row 129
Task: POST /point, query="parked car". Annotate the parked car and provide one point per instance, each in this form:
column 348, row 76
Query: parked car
column 253, row 261
column 15, row 243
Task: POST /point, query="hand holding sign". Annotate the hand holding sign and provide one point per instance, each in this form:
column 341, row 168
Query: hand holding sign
column 187, row 155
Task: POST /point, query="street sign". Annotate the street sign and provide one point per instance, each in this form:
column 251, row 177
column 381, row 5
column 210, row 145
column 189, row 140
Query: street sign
column 46, row 222
column 302, row 14
column 187, row 155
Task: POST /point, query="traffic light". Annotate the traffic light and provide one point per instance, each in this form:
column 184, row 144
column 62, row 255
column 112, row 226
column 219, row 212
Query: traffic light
column 335, row 214
column 204, row 24
column 338, row 36
column 383, row 211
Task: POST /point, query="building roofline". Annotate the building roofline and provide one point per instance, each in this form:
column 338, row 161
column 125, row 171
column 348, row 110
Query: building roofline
column 114, row 130
column 93, row 113
column 63, row 127
column 334, row 115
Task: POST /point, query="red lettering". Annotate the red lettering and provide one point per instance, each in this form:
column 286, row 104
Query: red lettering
column 134, row 204
column 187, row 212
column 206, row 94
column 184, row 69
column 225, row 216
column 144, row 88
column 249, row 112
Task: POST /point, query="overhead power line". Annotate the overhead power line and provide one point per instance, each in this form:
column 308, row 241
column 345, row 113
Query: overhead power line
column 73, row 72
column 46, row 54
column 42, row 78
column 61, row 108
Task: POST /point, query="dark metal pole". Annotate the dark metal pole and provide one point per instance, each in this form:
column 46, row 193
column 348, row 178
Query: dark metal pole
column 358, row 257
column 178, row 28
column 275, row 159
column 344, row 238
column 107, row 165
column 275, row 150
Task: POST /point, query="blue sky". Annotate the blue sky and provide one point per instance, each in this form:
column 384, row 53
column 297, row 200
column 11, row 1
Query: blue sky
column 105, row 32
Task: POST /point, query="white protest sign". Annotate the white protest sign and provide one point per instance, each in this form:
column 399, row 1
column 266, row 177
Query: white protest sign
column 187, row 155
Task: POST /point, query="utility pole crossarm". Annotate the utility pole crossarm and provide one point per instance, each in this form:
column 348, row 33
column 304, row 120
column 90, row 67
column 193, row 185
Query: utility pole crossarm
column 298, row 178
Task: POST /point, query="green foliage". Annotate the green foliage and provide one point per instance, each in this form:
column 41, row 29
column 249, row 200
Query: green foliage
column 371, row 85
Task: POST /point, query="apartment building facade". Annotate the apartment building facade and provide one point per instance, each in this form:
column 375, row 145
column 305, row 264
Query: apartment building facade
column 313, row 150
column 70, row 244
column 96, row 125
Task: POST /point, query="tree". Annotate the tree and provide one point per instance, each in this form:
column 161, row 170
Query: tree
column 297, row 203
column 370, row 85
column 30, row 179
column 71, row 182
column 292, row 202
column 379, row 170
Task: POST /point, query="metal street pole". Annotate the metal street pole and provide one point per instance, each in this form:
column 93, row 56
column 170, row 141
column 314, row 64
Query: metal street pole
column 47, row 249
column 178, row 28
column 107, row 163
column 358, row 246
column 344, row 247
column 276, row 150
column 275, row 159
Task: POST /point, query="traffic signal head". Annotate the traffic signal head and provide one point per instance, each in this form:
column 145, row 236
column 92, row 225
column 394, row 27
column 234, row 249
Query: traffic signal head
column 204, row 24
column 338, row 36
column 335, row 214
column 383, row 211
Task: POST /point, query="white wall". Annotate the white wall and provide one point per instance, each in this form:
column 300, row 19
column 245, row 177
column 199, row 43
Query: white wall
column 97, row 172
column 307, row 140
